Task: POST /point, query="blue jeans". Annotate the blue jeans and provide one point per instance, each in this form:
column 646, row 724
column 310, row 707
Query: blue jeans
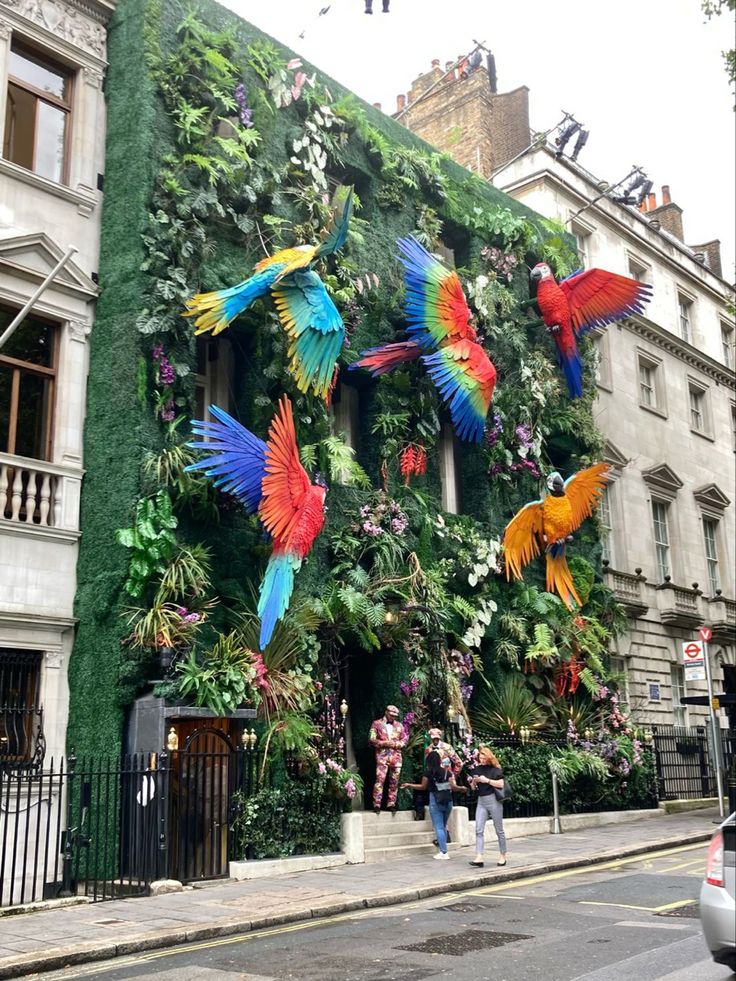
column 440, row 814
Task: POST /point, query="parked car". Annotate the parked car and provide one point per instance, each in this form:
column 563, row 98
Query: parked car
column 718, row 895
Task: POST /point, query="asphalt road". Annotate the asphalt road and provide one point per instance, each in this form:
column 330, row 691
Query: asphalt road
column 629, row 920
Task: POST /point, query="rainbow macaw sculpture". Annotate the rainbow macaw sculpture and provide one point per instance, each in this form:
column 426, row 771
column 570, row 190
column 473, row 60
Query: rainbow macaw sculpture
column 267, row 478
column 307, row 313
column 549, row 524
column 586, row 299
column 442, row 336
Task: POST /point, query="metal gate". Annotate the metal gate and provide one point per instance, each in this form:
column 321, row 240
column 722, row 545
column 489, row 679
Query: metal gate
column 204, row 777
column 685, row 764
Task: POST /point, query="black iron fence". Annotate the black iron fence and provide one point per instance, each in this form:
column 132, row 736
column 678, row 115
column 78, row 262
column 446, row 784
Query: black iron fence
column 685, row 760
column 106, row 828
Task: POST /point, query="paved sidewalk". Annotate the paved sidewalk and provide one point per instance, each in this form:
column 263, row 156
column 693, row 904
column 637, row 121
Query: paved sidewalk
column 54, row 938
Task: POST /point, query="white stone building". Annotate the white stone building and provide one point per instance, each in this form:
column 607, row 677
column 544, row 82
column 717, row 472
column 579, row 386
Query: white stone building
column 52, row 114
column 667, row 406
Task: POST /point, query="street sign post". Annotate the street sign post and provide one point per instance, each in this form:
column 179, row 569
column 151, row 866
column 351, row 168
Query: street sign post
column 706, row 633
column 693, row 658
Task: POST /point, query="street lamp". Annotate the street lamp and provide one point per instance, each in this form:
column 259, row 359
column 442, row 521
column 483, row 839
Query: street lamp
column 524, row 734
column 343, row 709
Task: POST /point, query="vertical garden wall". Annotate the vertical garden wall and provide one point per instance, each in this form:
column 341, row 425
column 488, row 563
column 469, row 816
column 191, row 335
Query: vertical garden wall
column 221, row 149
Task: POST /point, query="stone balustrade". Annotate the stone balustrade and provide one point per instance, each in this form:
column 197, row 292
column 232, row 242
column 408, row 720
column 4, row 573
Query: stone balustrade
column 44, row 495
column 680, row 606
column 627, row 589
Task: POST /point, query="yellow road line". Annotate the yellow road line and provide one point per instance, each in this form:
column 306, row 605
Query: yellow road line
column 646, row 909
column 684, row 865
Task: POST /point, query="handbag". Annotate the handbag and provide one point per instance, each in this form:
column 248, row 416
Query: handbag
column 505, row 792
column 443, row 793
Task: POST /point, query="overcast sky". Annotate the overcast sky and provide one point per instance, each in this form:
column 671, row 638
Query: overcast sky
column 645, row 77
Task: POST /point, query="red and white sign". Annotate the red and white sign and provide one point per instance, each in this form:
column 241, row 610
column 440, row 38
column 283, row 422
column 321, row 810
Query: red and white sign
column 693, row 657
column 705, row 634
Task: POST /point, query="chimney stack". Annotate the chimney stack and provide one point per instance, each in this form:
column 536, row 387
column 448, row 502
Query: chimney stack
column 666, row 199
column 651, row 202
column 435, row 63
column 377, row 105
column 670, row 214
column 400, row 103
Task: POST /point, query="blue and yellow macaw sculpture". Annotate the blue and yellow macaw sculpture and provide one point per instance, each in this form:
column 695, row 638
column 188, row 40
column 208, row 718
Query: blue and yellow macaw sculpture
column 306, row 312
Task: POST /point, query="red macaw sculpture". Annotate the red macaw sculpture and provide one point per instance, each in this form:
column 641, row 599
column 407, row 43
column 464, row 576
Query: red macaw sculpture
column 589, row 298
column 267, row 477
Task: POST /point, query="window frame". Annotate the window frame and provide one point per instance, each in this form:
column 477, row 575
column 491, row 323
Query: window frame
column 653, row 364
column 605, row 510
column 702, row 391
column 685, row 310
column 678, row 689
column 17, row 367
column 638, row 269
column 727, row 343
column 662, row 575
column 32, row 50
column 712, row 565
column 20, row 717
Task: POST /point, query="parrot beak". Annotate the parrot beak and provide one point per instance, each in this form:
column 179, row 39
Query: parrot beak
column 558, row 483
column 535, row 275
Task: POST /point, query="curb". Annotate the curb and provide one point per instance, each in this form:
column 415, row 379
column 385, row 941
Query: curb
column 24, row 964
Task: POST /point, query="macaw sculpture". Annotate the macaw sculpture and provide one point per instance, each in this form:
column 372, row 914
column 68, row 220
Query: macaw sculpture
column 308, row 315
column 442, row 336
column 548, row 525
column 586, row 299
column 267, row 478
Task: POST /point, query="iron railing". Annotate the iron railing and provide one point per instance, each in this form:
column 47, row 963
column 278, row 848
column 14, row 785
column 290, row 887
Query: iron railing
column 685, row 764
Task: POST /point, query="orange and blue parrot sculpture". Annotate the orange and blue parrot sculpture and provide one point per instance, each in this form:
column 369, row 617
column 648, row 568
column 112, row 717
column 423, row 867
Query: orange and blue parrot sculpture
column 267, row 478
column 586, row 299
column 442, row 336
column 548, row 525
column 308, row 315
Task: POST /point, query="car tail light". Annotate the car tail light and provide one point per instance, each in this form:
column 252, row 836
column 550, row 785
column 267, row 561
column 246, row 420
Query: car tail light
column 714, row 861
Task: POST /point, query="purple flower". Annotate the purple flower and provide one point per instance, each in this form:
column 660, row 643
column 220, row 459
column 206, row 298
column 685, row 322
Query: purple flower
column 166, row 373
column 156, row 352
column 245, row 113
column 168, row 412
column 350, row 788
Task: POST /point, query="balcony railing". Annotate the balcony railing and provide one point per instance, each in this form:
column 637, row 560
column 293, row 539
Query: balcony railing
column 679, row 606
column 722, row 617
column 33, row 492
column 627, row 589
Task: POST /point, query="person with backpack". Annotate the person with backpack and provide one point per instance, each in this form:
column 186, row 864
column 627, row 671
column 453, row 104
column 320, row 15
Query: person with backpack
column 440, row 783
column 486, row 777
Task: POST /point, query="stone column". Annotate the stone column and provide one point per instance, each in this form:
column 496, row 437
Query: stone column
column 4, row 59
column 70, row 396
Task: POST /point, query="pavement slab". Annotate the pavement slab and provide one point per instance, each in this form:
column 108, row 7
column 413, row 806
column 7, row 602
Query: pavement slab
column 49, row 939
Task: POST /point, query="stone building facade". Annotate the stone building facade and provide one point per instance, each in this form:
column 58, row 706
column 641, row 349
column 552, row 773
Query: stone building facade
column 666, row 404
column 52, row 114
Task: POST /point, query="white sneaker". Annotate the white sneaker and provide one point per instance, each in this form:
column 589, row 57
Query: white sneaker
column 441, row 856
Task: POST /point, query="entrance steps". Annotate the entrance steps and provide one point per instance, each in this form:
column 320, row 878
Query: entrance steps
column 388, row 836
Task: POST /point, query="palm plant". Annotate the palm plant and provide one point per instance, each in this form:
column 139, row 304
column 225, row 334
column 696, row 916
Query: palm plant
column 507, row 708
column 567, row 764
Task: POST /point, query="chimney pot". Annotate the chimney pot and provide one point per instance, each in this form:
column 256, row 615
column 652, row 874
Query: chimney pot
column 435, row 63
column 377, row 105
column 400, row 103
column 651, row 202
column 666, row 199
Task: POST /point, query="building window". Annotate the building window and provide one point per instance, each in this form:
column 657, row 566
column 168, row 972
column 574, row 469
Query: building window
column 621, row 677
column 698, row 401
column 38, row 113
column 685, row 308
column 345, row 421
column 710, row 530
column 604, row 514
column 19, row 710
column 727, row 333
column 637, row 270
column 27, row 383
column 733, row 425
column 449, row 470
column 677, row 684
column 647, row 390
column 212, row 382
column 582, row 239
column 603, row 374
column 661, row 539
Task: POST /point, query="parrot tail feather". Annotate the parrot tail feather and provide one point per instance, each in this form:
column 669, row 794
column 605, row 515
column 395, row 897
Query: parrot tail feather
column 559, row 577
column 381, row 360
column 572, row 368
column 215, row 311
column 276, row 590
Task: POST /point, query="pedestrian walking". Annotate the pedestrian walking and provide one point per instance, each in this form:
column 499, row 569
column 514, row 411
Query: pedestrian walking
column 487, row 778
column 388, row 738
column 439, row 781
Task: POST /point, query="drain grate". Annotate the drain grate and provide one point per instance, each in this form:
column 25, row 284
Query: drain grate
column 465, row 907
column 691, row 911
column 600, row 940
column 467, row 942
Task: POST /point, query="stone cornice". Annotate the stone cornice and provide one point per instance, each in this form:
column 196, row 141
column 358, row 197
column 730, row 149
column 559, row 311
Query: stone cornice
column 685, row 352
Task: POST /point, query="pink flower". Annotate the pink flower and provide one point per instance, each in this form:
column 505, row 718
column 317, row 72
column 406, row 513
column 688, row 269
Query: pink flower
column 322, row 769
column 350, row 788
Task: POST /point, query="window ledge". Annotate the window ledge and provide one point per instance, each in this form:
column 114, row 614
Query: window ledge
column 699, row 432
column 653, row 409
column 86, row 203
column 606, row 386
column 47, row 533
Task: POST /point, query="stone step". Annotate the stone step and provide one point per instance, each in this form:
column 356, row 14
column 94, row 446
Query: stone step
column 390, row 854
column 399, row 838
column 395, row 828
column 371, row 820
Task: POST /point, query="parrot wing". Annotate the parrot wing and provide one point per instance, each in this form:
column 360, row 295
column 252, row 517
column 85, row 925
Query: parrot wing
column 597, row 298
column 285, row 484
column 522, row 538
column 236, row 458
column 315, row 329
column 583, row 490
column 435, row 305
column 465, row 378
column 337, row 231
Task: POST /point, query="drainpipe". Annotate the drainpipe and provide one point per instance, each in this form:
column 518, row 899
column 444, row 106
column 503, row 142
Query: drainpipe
column 16, row 321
